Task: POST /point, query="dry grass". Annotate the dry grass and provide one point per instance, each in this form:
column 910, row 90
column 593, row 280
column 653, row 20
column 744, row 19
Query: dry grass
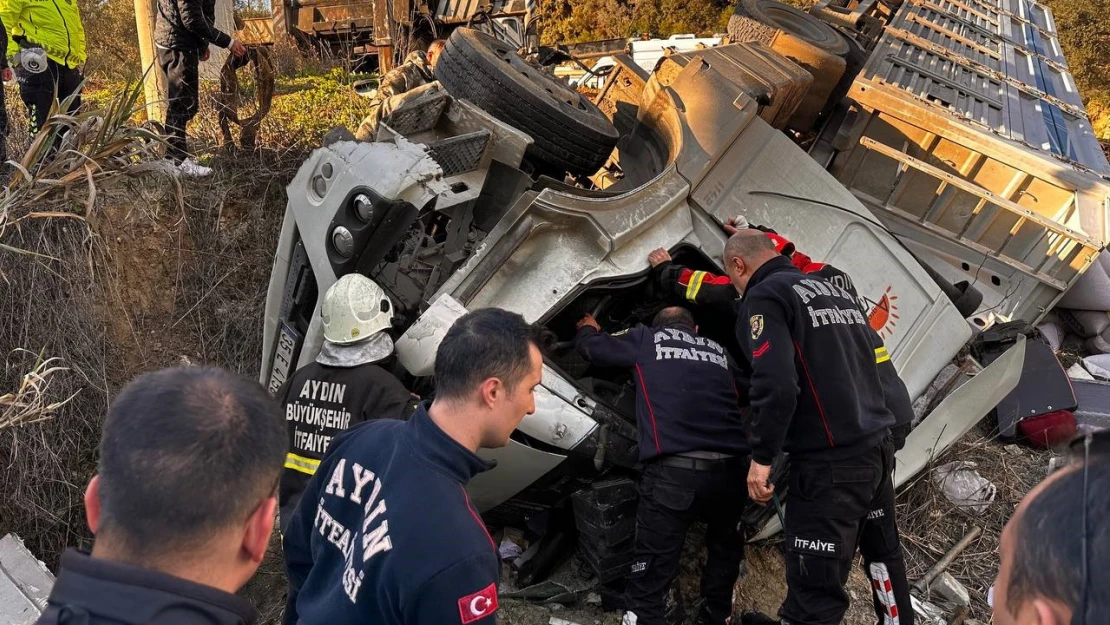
column 30, row 401
column 930, row 525
column 117, row 275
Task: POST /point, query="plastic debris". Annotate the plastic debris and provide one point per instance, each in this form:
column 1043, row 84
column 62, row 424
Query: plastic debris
column 1098, row 365
column 1056, row 463
column 559, row 621
column 950, row 589
column 927, row 612
column 1052, row 332
column 963, row 485
column 1013, row 449
column 593, row 599
column 1077, row 372
column 509, row 550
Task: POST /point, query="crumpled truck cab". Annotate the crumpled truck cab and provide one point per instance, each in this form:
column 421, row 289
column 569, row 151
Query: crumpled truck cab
column 446, row 213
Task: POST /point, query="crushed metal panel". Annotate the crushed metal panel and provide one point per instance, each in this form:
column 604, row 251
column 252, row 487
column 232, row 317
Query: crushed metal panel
column 968, row 136
column 25, row 583
column 461, row 11
column 999, row 66
column 765, row 176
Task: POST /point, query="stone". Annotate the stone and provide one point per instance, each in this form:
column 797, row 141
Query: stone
column 950, row 589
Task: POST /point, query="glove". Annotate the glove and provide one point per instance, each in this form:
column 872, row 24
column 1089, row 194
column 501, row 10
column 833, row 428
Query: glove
column 898, row 434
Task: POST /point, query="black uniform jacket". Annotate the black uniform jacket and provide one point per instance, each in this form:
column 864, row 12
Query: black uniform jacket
column 815, row 384
column 92, row 591
column 188, row 25
column 320, row 402
column 687, row 398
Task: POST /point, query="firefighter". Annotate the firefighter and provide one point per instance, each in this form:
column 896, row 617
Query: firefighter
column 706, row 288
column 385, row 534
column 695, row 455
column 346, row 385
column 417, row 70
column 816, row 393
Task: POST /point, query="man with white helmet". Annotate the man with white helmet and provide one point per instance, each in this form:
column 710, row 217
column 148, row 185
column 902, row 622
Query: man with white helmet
column 345, row 385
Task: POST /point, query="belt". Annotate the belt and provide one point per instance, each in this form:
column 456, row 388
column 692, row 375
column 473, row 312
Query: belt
column 694, row 464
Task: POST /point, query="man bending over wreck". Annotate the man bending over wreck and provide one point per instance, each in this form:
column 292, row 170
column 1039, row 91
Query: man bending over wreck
column 695, row 455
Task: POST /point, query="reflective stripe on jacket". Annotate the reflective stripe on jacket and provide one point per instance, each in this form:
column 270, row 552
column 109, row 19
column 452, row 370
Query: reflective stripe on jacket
column 55, row 25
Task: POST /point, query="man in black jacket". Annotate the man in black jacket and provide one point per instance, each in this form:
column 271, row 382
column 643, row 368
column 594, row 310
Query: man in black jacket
column 816, row 393
column 182, row 507
column 695, row 453
column 183, row 32
column 345, row 386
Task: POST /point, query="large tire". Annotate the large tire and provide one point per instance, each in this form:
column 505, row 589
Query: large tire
column 568, row 131
column 760, row 20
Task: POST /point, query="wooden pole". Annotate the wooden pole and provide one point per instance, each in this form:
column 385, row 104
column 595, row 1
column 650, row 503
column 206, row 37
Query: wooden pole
column 154, row 81
column 923, row 584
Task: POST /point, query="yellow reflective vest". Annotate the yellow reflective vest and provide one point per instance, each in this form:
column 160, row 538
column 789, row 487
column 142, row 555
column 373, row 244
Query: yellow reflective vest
column 55, row 25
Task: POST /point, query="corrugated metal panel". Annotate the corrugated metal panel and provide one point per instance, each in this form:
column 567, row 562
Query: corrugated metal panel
column 996, row 63
column 460, row 11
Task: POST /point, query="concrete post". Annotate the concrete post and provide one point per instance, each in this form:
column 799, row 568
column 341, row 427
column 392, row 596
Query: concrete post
column 155, row 81
column 225, row 21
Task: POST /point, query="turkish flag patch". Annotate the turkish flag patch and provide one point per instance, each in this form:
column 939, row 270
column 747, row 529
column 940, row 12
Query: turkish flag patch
column 479, row 605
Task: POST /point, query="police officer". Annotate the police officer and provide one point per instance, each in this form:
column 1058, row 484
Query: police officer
column 386, row 534
column 52, row 29
column 695, row 454
column 417, row 70
column 346, row 385
column 816, row 393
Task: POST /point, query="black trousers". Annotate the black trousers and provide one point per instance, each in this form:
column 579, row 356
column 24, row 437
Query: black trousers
column 671, row 499
column 182, row 68
column 833, row 507
column 38, row 91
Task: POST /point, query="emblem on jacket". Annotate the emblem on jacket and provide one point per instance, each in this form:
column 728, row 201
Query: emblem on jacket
column 757, row 326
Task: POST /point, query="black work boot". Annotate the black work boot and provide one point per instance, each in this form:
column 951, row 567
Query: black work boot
column 758, row 618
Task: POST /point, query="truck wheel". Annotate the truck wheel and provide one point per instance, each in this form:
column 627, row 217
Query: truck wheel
column 568, row 131
column 760, row 20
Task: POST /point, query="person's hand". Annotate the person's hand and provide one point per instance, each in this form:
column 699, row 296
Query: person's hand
column 237, row 48
column 658, row 257
column 204, row 56
column 7, row 75
column 588, row 320
column 760, row 488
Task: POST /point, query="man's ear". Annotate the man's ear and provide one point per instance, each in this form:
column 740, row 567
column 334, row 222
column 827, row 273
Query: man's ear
column 1049, row 612
column 260, row 525
column 92, row 504
column 491, row 390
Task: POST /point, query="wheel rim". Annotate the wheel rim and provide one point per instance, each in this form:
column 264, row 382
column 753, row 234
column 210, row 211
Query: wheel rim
column 802, row 25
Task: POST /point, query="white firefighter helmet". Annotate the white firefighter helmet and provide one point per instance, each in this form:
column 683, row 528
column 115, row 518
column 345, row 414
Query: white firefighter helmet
column 354, row 309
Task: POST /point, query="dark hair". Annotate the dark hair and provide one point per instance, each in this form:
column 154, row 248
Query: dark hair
column 186, row 451
column 672, row 315
column 1049, row 545
column 486, row 343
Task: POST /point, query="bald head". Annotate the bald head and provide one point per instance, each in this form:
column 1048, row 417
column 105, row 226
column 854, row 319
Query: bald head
column 745, row 252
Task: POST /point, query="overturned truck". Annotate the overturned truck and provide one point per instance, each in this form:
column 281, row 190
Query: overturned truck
column 937, row 151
